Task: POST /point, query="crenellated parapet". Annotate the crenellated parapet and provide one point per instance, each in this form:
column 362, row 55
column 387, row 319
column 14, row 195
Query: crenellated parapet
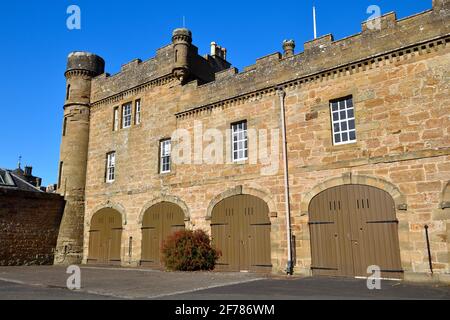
column 324, row 56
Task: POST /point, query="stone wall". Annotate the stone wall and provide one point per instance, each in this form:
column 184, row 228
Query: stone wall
column 403, row 131
column 398, row 78
column 29, row 224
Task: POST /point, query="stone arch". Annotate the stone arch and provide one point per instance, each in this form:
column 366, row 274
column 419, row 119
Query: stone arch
column 240, row 190
column 445, row 197
column 399, row 198
column 166, row 198
column 116, row 206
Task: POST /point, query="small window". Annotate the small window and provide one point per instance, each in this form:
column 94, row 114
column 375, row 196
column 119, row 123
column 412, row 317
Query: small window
column 165, row 150
column 239, row 140
column 110, row 167
column 61, row 164
column 116, row 119
column 68, row 92
column 343, row 120
column 137, row 112
column 126, row 115
column 64, row 126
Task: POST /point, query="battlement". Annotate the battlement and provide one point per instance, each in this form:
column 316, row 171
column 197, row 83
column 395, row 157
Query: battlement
column 85, row 61
column 325, row 54
column 376, row 37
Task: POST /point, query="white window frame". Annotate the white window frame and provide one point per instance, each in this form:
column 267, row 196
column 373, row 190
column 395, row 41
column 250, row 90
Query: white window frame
column 116, row 119
column 341, row 125
column 127, row 113
column 165, row 156
column 239, row 141
column 137, row 112
column 110, row 167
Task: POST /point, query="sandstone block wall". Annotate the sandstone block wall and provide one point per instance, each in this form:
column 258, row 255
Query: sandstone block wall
column 29, row 222
column 398, row 78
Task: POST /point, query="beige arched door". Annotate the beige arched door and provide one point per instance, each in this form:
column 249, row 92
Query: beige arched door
column 105, row 237
column 240, row 228
column 159, row 222
column 353, row 227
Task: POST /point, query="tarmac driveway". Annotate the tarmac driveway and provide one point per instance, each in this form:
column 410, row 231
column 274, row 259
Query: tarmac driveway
column 119, row 283
column 49, row 283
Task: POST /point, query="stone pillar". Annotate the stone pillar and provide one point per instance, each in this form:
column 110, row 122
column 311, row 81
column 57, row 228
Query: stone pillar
column 81, row 68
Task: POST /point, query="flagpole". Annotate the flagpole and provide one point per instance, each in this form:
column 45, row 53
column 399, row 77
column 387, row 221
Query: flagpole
column 315, row 22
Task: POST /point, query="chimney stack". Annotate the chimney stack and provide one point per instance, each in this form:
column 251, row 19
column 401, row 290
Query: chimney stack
column 28, row 171
column 218, row 51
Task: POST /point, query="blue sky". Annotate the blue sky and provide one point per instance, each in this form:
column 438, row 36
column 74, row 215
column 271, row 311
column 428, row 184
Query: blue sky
column 35, row 44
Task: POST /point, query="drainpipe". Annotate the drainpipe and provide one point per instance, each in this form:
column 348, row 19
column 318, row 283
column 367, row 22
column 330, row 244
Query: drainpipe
column 430, row 260
column 290, row 266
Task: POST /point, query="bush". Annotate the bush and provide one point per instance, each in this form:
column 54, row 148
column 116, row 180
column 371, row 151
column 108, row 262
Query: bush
column 189, row 251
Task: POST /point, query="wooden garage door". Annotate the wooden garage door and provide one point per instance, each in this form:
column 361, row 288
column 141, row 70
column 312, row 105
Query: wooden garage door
column 160, row 221
column 240, row 229
column 105, row 237
column 354, row 227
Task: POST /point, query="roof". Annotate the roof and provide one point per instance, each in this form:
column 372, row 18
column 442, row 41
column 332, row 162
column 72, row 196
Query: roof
column 9, row 180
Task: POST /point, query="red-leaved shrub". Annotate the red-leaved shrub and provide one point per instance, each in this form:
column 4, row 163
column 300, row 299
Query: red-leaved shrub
column 189, row 250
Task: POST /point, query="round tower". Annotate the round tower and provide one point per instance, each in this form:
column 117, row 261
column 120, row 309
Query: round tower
column 182, row 40
column 81, row 68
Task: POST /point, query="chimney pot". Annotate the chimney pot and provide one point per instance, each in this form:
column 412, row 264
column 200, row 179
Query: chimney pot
column 213, row 48
column 224, row 53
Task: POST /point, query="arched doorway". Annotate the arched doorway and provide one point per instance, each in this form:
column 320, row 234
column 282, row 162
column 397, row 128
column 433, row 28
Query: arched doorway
column 240, row 228
column 353, row 227
column 105, row 237
column 159, row 222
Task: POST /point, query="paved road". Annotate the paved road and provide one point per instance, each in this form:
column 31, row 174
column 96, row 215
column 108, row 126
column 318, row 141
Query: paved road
column 48, row 283
column 121, row 283
column 16, row 291
column 319, row 289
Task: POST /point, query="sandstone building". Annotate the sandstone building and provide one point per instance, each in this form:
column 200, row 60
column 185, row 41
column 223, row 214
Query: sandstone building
column 365, row 177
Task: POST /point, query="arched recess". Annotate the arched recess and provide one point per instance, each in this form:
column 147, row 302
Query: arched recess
column 353, row 227
column 394, row 192
column 445, row 206
column 445, row 203
column 166, row 198
column 116, row 206
column 242, row 190
column 159, row 221
column 105, row 237
column 241, row 230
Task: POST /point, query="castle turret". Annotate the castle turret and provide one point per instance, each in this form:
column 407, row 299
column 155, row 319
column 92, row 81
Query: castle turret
column 182, row 40
column 81, row 68
column 288, row 48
